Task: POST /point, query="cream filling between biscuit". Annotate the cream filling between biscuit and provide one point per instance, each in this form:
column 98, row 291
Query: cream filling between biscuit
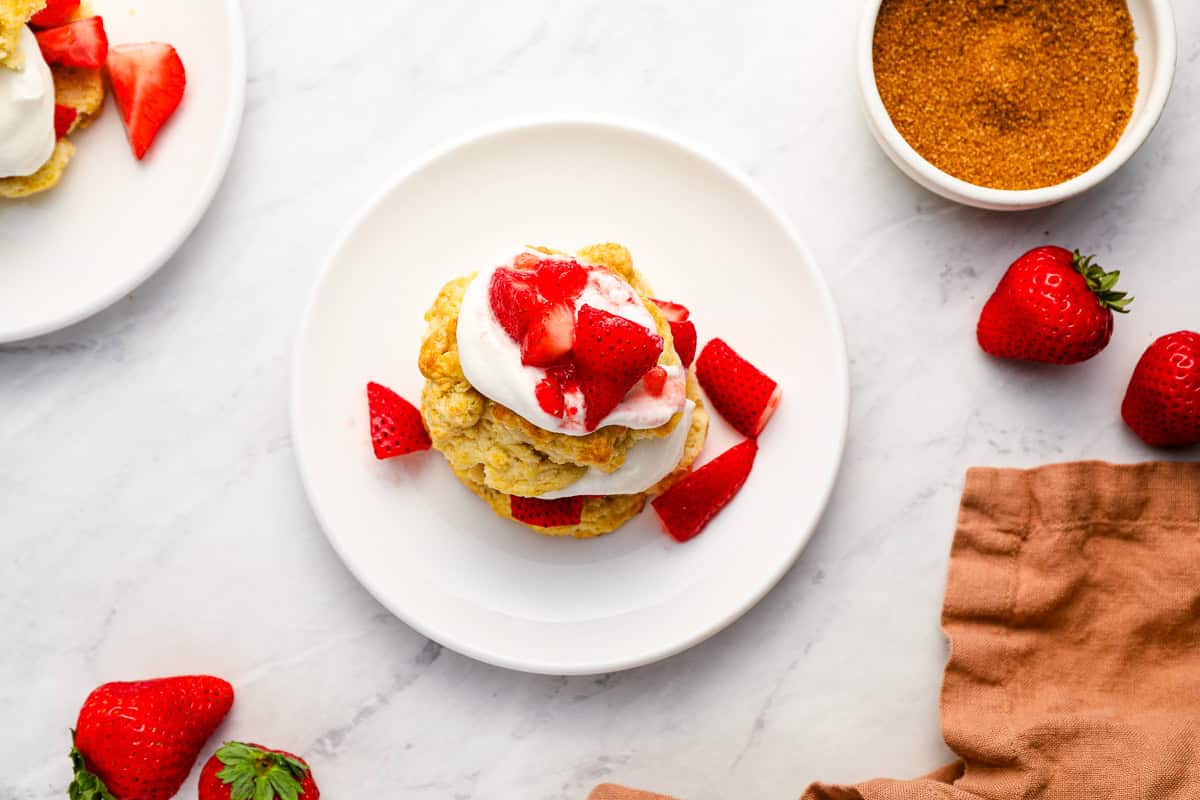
column 26, row 112
column 647, row 463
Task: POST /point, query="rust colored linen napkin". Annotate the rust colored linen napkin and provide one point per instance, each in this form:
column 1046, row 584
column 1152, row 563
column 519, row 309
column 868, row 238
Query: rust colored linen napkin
column 1073, row 613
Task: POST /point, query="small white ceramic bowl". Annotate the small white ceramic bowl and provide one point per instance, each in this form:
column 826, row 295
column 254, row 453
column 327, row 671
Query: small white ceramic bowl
column 1154, row 25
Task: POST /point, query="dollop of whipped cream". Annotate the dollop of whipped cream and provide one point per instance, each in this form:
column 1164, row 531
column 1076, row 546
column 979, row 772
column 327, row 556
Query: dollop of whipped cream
column 647, row 463
column 26, row 112
column 491, row 359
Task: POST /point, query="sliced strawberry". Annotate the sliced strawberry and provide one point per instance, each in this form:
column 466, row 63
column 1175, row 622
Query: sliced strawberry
column 514, row 300
column 550, row 336
column 396, row 425
column 674, row 312
column 148, row 81
column 744, row 395
column 549, row 395
column 64, row 118
column 546, row 513
column 56, row 12
column 561, row 281
column 612, row 354
column 691, row 504
column 76, row 44
column 656, row 381
column 684, row 334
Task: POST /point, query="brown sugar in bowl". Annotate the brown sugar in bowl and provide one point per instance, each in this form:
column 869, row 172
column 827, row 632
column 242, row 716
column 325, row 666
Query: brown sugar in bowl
column 1154, row 28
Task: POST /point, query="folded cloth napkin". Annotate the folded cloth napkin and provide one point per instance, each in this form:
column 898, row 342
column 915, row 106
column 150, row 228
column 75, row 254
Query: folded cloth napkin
column 1073, row 613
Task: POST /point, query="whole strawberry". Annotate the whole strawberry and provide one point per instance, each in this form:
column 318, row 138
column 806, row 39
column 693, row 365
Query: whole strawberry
column 1162, row 403
column 139, row 740
column 240, row 771
column 1052, row 306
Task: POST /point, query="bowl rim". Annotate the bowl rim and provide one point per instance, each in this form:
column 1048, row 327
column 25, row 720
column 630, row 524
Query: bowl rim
column 1162, row 23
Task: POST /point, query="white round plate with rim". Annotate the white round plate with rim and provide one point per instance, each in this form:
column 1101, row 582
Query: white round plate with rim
column 434, row 554
column 112, row 220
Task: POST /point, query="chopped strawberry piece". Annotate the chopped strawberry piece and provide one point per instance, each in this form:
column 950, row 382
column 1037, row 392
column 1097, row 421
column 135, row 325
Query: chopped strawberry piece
column 612, row 354
column 550, row 396
column 546, row 513
column 148, row 81
column 744, row 395
column 550, row 336
column 561, row 281
column 56, row 12
column 688, row 506
column 76, row 44
column 514, row 300
column 674, row 312
column 526, row 261
column 684, row 334
column 64, row 118
column 396, row 425
column 656, row 381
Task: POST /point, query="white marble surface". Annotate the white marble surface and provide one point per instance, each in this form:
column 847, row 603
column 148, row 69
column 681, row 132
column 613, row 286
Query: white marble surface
column 152, row 518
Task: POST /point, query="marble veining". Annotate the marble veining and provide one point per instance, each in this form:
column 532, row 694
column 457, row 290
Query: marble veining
column 153, row 521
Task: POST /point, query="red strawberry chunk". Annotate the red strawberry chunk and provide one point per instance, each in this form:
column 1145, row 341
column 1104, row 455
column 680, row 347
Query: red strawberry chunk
column 148, row 82
column 611, row 355
column 656, row 381
column 688, row 506
column 396, row 425
column 674, row 312
column 549, row 337
column 56, row 12
column 561, row 281
column 550, row 396
column 514, row 300
column 64, row 118
column 76, row 44
column 684, row 334
column 744, row 395
column 546, row 513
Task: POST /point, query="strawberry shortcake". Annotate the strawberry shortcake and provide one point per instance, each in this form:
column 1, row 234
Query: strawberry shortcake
column 563, row 394
column 54, row 56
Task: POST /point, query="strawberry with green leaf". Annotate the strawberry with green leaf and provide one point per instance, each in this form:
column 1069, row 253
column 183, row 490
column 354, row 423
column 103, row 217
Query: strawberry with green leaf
column 239, row 771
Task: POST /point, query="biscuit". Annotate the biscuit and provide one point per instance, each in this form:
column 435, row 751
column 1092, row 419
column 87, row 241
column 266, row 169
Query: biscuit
column 14, row 14
column 45, row 178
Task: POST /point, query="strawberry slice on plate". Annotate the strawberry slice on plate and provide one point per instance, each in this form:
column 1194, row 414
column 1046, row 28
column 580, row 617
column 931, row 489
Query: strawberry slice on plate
column 546, row 513
column 76, row 44
column 611, row 355
column 56, row 12
column 743, row 394
column 688, row 506
column 396, row 425
column 64, row 119
column 148, row 81
column 550, row 335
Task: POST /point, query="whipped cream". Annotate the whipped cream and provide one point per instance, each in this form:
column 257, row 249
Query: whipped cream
column 491, row 359
column 647, row 463
column 26, row 112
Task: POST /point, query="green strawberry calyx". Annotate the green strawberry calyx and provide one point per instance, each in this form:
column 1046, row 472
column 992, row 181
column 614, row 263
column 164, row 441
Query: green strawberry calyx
column 86, row 785
column 1102, row 283
column 256, row 774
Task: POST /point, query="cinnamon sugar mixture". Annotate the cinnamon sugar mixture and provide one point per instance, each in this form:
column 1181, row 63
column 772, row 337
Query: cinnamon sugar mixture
column 1009, row 94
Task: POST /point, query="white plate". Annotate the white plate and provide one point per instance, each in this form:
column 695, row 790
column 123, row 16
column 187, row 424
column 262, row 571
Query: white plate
column 112, row 221
column 435, row 555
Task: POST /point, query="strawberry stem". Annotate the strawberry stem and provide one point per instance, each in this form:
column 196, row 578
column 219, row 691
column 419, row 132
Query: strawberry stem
column 86, row 785
column 1102, row 283
column 255, row 774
